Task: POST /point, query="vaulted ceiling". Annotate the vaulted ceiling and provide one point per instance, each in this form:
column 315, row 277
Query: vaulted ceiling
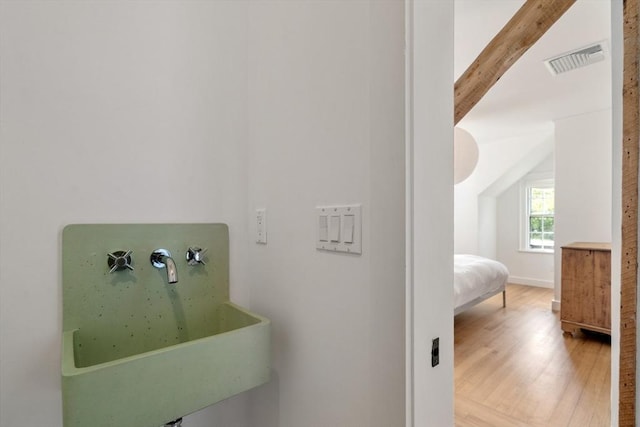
column 528, row 97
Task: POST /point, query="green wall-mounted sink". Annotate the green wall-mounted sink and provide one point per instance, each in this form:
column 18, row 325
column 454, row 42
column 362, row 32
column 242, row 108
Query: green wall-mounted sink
column 138, row 351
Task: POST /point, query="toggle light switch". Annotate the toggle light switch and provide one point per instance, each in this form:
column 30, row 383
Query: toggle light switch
column 334, row 228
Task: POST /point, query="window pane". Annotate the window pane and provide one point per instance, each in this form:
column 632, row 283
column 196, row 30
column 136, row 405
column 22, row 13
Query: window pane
column 539, row 219
column 535, row 224
column 549, row 204
column 535, row 240
column 541, row 201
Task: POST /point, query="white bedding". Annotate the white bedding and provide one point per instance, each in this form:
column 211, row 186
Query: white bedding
column 474, row 276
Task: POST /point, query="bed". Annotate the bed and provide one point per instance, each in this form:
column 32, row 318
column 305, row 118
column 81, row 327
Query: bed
column 475, row 279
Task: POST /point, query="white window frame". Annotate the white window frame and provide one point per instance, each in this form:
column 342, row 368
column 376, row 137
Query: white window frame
column 543, row 180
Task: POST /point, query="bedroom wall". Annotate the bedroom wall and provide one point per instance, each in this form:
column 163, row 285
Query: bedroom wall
column 526, row 268
column 583, row 182
column 501, row 162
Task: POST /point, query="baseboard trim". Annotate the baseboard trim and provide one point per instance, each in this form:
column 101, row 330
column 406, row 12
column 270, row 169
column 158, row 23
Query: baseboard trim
column 531, row 282
column 555, row 305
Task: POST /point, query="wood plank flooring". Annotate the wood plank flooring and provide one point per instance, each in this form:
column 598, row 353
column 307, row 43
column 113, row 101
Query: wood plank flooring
column 515, row 368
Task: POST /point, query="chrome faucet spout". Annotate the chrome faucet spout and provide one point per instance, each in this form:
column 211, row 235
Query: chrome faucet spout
column 172, row 271
column 161, row 258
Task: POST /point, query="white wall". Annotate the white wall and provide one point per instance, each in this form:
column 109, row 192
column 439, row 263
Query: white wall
column 110, row 112
column 203, row 111
column 527, row 268
column 430, row 209
column 582, row 182
column 326, row 126
column 498, row 161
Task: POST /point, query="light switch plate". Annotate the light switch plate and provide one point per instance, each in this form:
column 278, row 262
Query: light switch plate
column 339, row 228
column 261, row 226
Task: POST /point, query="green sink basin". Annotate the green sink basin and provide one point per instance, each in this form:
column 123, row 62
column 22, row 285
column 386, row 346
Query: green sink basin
column 153, row 387
column 138, row 351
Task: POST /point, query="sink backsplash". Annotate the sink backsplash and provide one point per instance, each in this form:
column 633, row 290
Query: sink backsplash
column 139, row 307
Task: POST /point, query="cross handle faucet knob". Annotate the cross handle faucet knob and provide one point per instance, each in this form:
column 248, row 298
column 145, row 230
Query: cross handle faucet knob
column 195, row 255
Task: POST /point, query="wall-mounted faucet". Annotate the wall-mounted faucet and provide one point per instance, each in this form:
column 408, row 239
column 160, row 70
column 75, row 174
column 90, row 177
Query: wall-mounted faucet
column 161, row 258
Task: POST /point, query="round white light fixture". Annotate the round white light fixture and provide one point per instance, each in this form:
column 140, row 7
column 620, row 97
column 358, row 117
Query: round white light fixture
column 465, row 155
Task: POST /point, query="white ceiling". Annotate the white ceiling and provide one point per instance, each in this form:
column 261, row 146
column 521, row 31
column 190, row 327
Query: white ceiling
column 528, row 98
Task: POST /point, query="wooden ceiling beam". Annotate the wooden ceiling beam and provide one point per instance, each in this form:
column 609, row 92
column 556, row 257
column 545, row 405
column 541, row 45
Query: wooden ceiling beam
column 529, row 23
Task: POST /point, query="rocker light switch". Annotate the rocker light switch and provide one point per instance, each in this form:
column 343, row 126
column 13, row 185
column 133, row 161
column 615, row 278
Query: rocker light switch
column 347, row 228
column 334, row 228
column 323, row 228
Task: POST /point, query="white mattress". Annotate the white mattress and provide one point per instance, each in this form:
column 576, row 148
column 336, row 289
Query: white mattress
column 474, row 276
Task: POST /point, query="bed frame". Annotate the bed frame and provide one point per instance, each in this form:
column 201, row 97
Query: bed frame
column 481, row 298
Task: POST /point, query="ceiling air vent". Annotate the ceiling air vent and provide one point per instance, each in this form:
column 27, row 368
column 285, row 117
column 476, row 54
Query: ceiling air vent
column 576, row 59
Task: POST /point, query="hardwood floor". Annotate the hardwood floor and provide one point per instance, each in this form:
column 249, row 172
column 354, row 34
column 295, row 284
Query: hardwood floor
column 514, row 366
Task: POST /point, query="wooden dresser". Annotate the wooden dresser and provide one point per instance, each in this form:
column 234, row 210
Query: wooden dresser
column 586, row 287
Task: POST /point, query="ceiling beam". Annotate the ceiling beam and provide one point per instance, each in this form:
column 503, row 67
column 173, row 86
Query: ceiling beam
column 529, row 23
